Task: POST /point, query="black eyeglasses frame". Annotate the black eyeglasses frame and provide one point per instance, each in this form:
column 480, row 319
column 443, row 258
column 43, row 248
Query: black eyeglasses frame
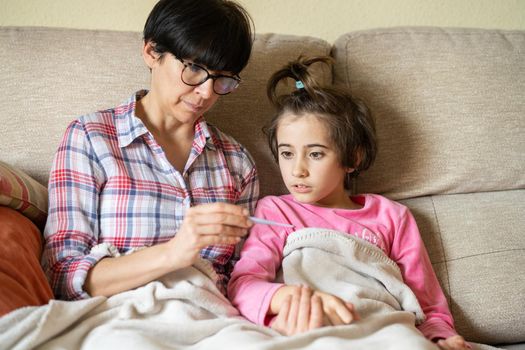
column 214, row 77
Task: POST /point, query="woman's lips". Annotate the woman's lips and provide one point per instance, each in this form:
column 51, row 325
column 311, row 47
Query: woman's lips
column 193, row 107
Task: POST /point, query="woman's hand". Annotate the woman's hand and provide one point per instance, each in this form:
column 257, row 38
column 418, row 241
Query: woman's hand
column 204, row 225
column 217, row 223
column 300, row 312
column 456, row 342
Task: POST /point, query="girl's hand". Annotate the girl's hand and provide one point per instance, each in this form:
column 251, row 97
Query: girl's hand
column 300, row 312
column 456, row 342
column 204, row 225
column 300, row 309
column 337, row 311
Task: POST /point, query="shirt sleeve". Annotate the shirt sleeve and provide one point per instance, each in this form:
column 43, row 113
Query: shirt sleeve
column 247, row 199
column 249, row 186
column 409, row 252
column 251, row 286
column 72, row 225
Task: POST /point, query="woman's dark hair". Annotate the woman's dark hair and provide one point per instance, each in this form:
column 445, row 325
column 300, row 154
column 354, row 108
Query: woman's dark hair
column 348, row 120
column 215, row 33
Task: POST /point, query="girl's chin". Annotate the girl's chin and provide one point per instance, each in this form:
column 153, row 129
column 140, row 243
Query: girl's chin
column 301, row 198
column 313, row 201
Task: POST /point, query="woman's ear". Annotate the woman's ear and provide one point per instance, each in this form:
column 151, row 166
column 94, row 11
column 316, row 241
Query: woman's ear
column 150, row 56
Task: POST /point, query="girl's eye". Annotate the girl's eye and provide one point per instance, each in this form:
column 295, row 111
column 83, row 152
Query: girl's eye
column 317, row 155
column 286, row 154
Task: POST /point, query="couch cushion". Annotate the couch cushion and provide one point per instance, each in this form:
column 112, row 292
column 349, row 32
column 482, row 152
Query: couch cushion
column 475, row 242
column 22, row 281
column 244, row 113
column 449, row 106
column 20, row 192
column 51, row 76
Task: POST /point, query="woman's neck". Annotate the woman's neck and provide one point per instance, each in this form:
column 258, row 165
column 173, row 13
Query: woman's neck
column 157, row 122
column 175, row 138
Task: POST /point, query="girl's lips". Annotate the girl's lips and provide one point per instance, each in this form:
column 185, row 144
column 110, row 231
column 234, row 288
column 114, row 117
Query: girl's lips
column 301, row 188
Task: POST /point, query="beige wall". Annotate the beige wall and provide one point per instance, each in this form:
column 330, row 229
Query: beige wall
column 321, row 18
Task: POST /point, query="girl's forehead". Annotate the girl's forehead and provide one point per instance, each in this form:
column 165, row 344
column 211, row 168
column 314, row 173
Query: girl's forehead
column 307, row 120
column 306, row 128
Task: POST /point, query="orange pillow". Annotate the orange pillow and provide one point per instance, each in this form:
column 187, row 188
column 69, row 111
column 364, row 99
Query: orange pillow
column 22, row 280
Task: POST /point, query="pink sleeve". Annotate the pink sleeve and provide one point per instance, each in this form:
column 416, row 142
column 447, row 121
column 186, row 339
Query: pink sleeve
column 410, row 254
column 251, row 286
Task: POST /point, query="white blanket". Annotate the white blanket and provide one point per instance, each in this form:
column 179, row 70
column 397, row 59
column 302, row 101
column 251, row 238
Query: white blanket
column 350, row 268
column 185, row 310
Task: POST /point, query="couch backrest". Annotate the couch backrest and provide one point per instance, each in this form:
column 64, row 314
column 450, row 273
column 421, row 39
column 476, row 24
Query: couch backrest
column 444, row 110
column 244, row 113
column 449, row 107
column 51, row 76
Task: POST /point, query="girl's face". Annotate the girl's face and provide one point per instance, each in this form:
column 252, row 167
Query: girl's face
column 309, row 164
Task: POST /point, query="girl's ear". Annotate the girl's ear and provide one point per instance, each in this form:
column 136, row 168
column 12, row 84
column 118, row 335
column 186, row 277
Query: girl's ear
column 150, row 56
column 358, row 159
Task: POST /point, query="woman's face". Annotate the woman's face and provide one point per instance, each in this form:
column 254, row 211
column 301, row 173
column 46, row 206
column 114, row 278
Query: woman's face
column 172, row 97
column 309, row 163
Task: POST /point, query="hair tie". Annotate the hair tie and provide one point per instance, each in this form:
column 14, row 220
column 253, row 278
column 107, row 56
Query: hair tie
column 299, row 84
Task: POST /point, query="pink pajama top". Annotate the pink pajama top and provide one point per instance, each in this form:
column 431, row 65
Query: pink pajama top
column 382, row 222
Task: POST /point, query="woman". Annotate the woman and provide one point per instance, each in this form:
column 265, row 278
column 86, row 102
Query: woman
column 151, row 177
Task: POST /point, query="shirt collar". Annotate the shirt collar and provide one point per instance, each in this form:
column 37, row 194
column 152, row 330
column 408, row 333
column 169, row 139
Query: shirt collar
column 203, row 137
column 129, row 126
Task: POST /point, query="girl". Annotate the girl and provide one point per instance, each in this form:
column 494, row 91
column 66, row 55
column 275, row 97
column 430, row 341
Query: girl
column 151, row 173
column 322, row 138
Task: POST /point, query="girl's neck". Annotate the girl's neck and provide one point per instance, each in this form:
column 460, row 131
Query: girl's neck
column 345, row 202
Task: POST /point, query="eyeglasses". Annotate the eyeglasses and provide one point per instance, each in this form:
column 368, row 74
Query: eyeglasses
column 193, row 75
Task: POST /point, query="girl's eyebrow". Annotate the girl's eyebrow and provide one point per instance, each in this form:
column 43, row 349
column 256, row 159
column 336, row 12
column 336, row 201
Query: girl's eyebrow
column 284, row 145
column 311, row 145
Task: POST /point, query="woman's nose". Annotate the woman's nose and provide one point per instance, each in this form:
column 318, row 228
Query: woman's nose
column 205, row 89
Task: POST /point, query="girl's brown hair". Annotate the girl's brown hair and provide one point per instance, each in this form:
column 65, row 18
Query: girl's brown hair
column 348, row 120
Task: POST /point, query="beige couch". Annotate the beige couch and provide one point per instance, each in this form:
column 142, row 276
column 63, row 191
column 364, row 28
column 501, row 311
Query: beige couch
column 450, row 112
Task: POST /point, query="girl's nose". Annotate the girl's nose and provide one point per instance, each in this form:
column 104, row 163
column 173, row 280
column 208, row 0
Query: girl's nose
column 299, row 169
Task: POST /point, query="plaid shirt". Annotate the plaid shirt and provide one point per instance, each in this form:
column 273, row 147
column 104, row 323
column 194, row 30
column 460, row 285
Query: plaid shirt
column 111, row 183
